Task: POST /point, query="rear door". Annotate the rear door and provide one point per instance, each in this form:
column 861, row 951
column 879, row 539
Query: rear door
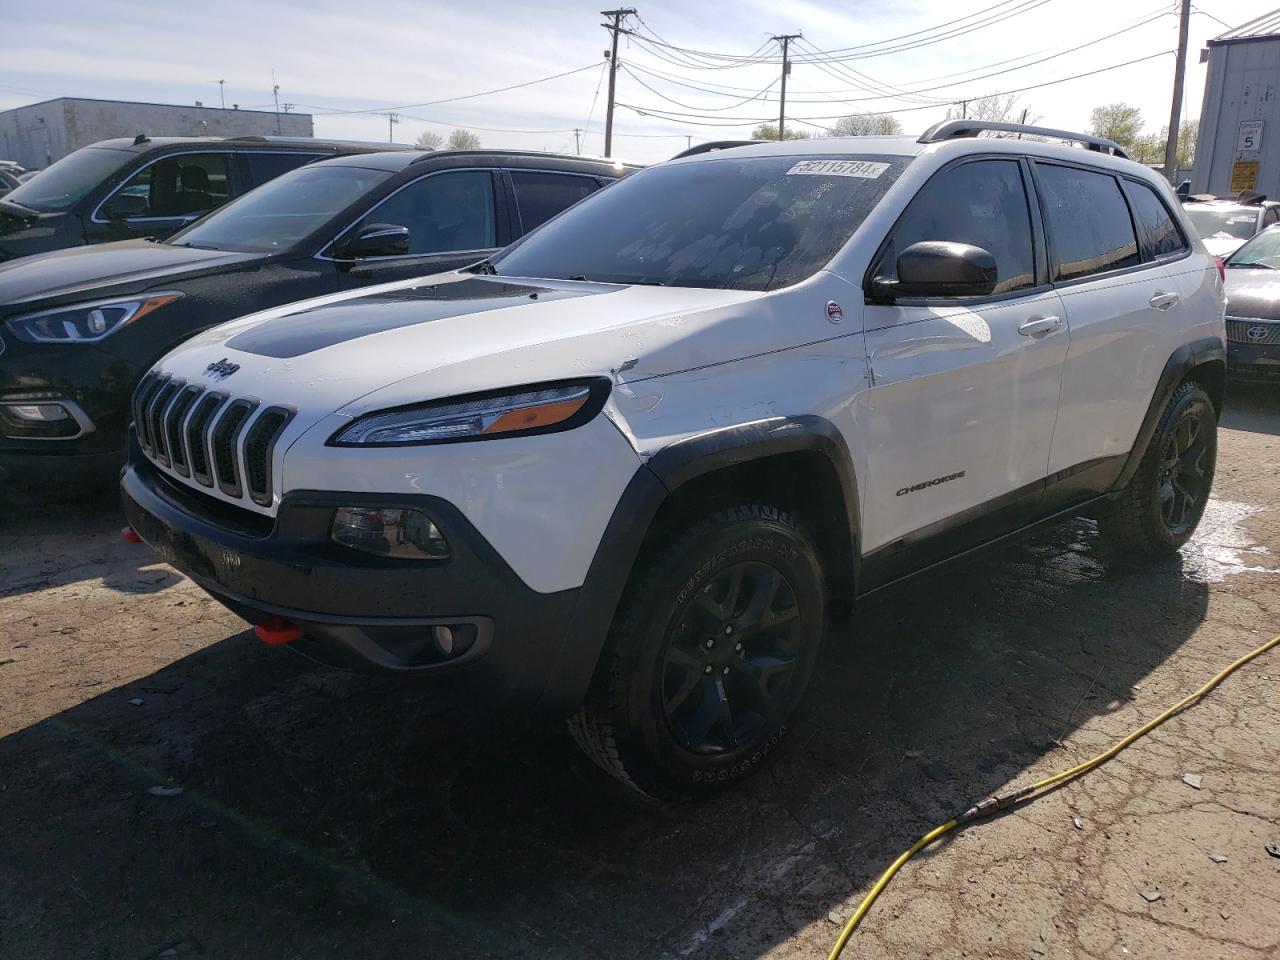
column 543, row 194
column 455, row 218
column 1125, row 311
column 960, row 416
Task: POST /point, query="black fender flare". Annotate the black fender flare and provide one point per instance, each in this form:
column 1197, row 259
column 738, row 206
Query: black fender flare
column 1183, row 360
column 663, row 474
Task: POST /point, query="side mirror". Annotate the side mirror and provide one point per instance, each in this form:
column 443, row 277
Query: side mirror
column 940, row 268
column 376, row 240
column 125, row 205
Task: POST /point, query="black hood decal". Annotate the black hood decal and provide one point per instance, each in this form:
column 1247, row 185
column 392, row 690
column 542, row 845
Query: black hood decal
column 318, row 327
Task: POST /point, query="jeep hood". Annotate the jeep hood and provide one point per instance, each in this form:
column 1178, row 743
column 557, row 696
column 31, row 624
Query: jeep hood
column 106, row 268
column 462, row 333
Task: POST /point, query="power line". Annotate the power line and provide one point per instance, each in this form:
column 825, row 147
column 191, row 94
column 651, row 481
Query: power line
column 468, row 96
column 688, row 106
column 747, row 121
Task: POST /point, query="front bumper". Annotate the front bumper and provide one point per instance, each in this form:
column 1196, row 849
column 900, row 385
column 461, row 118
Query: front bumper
column 357, row 610
column 1249, row 361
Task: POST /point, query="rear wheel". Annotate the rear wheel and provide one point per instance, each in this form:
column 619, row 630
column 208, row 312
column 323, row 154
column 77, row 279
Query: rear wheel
column 712, row 647
column 1159, row 510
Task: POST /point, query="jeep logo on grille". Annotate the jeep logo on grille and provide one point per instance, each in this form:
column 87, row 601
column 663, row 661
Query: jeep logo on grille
column 1256, row 333
column 222, row 369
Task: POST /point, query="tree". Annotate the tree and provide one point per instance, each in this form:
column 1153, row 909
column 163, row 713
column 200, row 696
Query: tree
column 1117, row 121
column 1149, row 147
column 463, row 140
column 866, row 125
column 769, row 131
column 428, row 140
column 997, row 108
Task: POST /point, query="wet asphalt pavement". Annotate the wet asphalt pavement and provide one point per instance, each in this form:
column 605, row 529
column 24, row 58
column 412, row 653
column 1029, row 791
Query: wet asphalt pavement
column 330, row 815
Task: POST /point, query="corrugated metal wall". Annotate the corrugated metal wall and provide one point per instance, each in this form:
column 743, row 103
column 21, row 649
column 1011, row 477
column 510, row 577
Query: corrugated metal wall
column 1242, row 83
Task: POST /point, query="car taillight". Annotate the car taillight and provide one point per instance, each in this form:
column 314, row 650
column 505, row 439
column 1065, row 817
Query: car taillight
column 1222, row 268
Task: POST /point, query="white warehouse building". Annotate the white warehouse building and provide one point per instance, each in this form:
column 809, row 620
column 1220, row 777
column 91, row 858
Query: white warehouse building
column 1239, row 141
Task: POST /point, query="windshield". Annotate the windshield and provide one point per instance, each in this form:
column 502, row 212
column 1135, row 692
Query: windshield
column 1262, row 251
column 1231, row 222
column 68, row 180
column 282, row 211
column 750, row 223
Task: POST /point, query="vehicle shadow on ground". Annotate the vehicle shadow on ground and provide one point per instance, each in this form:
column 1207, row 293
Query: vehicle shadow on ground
column 326, row 814
column 55, row 541
column 1253, row 406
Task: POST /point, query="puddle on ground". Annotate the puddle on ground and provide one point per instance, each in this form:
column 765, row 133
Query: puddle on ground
column 1222, row 547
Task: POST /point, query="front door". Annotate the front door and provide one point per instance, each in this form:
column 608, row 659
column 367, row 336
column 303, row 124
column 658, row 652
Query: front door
column 959, row 419
column 164, row 196
column 453, row 221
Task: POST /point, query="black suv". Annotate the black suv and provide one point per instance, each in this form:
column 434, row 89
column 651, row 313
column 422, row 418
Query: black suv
column 146, row 187
column 79, row 327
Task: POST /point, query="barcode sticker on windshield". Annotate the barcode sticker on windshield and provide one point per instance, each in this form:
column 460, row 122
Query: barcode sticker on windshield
column 867, row 169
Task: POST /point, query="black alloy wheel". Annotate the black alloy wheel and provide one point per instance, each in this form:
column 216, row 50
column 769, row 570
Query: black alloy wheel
column 729, row 659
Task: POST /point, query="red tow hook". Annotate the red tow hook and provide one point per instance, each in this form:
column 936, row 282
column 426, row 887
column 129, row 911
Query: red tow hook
column 129, row 535
column 277, row 630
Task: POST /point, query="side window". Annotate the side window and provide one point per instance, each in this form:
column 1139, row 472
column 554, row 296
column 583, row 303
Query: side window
column 268, row 166
column 540, row 196
column 444, row 212
column 1270, row 217
column 1160, row 234
column 983, row 203
column 1089, row 224
column 186, row 185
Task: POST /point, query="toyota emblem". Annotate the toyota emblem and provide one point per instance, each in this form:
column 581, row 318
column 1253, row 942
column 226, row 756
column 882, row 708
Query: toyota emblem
column 1256, row 333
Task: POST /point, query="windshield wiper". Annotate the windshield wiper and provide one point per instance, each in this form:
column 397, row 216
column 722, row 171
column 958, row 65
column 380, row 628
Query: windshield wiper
column 485, row 267
column 1258, row 266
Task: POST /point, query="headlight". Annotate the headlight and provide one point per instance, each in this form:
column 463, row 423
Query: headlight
column 86, row 322
column 539, row 410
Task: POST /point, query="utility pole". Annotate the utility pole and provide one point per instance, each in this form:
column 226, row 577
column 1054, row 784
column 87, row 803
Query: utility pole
column 964, row 109
column 222, row 93
column 275, row 92
column 392, row 120
column 688, row 141
column 614, row 29
column 1175, row 111
column 577, row 148
column 785, row 40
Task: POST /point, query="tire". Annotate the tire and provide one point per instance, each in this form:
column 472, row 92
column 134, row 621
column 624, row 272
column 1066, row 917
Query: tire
column 710, row 651
column 1159, row 509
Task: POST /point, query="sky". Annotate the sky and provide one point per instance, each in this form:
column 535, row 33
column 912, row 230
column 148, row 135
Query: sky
column 345, row 62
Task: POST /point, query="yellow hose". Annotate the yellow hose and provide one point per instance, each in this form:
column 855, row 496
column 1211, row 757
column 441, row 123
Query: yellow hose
column 1007, row 799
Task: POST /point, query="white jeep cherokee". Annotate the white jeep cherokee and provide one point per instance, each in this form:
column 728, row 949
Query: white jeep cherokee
column 622, row 470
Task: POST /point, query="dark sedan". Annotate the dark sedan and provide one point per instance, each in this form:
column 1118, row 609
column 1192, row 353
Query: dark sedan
column 79, row 327
column 1253, row 308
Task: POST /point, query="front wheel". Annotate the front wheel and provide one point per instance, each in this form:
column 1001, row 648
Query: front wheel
column 711, row 650
column 1159, row 510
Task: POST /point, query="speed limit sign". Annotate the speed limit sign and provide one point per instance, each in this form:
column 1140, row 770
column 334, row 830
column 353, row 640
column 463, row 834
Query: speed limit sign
column 1250, row 136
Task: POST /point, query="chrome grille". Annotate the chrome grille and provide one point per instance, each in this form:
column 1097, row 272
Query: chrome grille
column 1238, row 330
column 207, row 437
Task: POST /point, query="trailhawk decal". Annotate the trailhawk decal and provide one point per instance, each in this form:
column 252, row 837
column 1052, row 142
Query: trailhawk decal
column 864, row 169
column 930, row 483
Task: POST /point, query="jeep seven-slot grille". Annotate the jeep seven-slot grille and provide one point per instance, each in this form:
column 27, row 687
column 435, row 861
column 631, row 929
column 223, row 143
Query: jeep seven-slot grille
column 209, row 437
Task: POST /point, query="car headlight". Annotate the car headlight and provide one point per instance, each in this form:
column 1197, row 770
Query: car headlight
column 86, row 322
column 543, row 409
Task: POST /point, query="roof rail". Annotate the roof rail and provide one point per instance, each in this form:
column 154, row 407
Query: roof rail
column 951, row 129
column 714, row 145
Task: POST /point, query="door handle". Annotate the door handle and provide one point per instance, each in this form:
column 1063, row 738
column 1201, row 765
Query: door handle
column 1163, row 301
column 1040, row 326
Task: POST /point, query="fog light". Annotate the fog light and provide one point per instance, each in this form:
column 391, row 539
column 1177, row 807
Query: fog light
column 395, row 532
column 39, row 412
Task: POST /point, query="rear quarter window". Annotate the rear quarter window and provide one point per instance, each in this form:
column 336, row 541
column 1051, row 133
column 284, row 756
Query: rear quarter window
column 1158, row 230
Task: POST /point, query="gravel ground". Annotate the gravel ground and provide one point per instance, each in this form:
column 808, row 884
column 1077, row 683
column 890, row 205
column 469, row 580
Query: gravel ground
column 330, row 815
